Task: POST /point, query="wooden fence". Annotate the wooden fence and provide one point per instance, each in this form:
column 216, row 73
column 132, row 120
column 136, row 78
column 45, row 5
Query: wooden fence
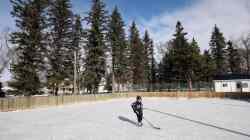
column 22, row 103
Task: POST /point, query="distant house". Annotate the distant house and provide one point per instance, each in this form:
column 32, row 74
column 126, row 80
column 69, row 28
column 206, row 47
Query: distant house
column 232, row 83
column 67, row 88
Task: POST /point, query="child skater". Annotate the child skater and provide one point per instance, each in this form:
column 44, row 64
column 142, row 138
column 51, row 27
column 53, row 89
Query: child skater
column 137, row 107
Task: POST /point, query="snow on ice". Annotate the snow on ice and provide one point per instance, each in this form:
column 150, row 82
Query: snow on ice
column 195, row 119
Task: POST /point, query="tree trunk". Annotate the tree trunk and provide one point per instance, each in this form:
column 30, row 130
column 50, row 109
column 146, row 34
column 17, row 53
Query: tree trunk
column 190, row 85
column 56, row 91
column 113, row 83
column 248, row 65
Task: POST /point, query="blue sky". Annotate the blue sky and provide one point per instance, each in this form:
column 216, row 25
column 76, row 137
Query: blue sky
column 160, row 16
column 133, row 9
column 130, row 9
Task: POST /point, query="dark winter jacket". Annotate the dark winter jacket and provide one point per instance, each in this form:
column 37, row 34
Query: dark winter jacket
column 2, row 94
column 137, row 107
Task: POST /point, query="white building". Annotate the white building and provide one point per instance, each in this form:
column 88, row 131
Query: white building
column 67, row 89
column 232, row 83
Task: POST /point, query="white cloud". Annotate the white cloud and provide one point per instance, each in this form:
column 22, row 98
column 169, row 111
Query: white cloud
column 198, row 19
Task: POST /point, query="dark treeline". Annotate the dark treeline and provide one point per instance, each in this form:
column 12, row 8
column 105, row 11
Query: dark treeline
column 183, row 61
column 52, row 46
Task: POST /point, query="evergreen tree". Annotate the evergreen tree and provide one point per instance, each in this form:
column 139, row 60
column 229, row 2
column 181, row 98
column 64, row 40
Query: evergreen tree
column 180, row 55
column 234, row 59
column 181, row 62
column 147, row 44
column 96, row 44
column 136, row 56
column 117, row 41
column 207, row 67
column 153, row 67
column 165, row 69
column 77, row 44
column 149, row 62
column 61, row 52
column 30, row 45
column 178, row 52
column 218, row 46
column 166, row 73
column 194, row 59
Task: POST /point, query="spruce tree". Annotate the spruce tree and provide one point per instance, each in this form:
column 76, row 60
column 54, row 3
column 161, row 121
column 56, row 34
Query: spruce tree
column 179, row 51
column 207, row 67
column 166, row 74
column 77, row 45
column 179, row 64
column 179, row 55
column 30, row 45
column 61, row 51
column 136, row 56
column 117, row 41
column 149, row 66
column 95, row 64
column 153, row 67
column 234, row 59
column 154, row 75
column 147, row 44
column 165, row 71
column 194, row 59
column 218, row 46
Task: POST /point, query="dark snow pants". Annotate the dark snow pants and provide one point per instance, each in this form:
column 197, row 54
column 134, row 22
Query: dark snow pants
column 139, row 117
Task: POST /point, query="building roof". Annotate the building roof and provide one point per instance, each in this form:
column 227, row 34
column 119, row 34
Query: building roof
column 232, row 76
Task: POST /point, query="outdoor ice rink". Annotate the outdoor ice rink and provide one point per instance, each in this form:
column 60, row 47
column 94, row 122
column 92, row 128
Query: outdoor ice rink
column 179, row 119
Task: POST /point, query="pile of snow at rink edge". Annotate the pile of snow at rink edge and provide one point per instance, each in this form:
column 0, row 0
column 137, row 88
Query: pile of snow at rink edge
column 178, row 119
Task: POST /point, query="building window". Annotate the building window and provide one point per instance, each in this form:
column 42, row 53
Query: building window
column 244, row 85
column 224, row 85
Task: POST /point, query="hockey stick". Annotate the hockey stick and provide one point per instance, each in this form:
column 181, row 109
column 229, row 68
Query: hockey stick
column 151, row 124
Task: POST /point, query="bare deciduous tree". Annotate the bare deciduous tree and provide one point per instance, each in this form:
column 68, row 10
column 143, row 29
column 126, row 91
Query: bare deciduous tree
column 6, row 52
column 245, row 41
column 162, row 49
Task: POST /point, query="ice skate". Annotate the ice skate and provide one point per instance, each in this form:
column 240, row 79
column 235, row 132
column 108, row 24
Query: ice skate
column 139, row 124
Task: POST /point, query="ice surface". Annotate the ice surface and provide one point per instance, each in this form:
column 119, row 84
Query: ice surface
column 179, row 119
